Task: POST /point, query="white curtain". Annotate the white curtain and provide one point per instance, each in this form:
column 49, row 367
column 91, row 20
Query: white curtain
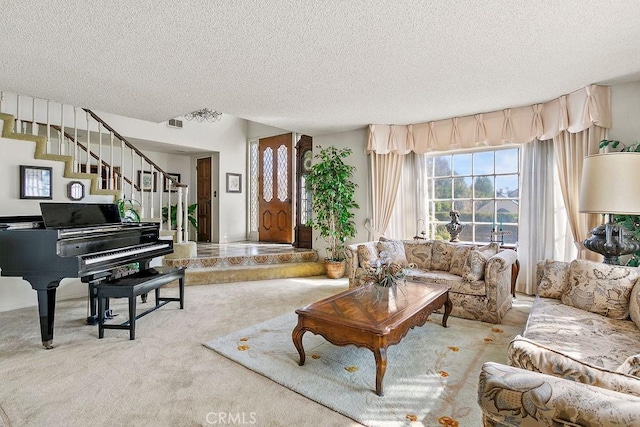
column 386, row 172
column 537, row 224
column 409, row 216
column 570, row 150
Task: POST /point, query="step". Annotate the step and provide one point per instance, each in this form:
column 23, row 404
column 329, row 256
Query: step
column 210, row 275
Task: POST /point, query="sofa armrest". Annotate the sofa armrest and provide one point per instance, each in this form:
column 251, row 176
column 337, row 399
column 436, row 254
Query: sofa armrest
column 500, row 262
column 497, row 276
column 351, row 255
column 510, row 396
column 353, row 261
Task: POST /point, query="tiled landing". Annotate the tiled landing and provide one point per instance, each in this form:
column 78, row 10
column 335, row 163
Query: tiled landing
column 231, row 262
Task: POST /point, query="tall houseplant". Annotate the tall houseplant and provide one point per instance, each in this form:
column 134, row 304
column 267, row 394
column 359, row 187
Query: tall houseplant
column 332, row 204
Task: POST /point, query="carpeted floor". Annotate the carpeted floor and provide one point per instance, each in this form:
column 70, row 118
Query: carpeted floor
column 166, row 377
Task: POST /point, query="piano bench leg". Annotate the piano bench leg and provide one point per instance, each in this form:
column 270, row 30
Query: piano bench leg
column 132, row 318
column 101, row 303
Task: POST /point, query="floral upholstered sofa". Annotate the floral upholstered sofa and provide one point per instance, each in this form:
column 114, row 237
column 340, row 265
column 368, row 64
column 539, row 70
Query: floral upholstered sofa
column 479, row 277
column 578, row 360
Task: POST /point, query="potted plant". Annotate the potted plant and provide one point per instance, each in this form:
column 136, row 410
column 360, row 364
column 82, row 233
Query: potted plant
column 332, row 193
column 128, row 209
column 174, row 212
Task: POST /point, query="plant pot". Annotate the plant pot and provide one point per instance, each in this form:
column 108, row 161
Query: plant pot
column 335, row 269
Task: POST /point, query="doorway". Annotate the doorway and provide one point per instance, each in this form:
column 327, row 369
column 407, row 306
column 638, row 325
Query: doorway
column 203, row 180
column 275, row 189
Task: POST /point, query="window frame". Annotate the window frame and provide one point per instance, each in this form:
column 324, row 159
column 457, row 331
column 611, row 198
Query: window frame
column 436, row 227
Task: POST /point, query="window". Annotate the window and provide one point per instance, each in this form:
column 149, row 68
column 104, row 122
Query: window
column 483, row 187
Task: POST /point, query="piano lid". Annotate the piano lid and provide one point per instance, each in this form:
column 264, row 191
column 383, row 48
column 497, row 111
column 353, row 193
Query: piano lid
column 75, row 215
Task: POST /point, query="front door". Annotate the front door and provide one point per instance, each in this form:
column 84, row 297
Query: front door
column 203, row 172
column 275, row 189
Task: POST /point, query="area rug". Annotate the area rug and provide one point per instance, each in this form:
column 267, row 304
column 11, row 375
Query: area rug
column 431, row 377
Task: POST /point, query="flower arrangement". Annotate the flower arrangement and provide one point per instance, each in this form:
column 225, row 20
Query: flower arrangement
column 385, row 273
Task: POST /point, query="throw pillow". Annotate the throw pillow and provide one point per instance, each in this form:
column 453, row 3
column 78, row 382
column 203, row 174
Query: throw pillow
column 555, row 279
column 490, row 249
column 600, row 288
column 367, row 256
column 474, row 266
column 419, row 254
column 393, row 251
column 631, row 366
column 441, row 254
column 634, row 304
column 458, row 259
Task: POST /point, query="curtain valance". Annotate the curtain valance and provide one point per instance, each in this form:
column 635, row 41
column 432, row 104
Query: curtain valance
column 574, row 112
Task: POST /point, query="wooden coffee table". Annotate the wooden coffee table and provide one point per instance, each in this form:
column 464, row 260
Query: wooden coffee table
column 353, row 317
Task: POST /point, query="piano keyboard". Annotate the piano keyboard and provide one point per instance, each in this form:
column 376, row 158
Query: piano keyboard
column 123, row 253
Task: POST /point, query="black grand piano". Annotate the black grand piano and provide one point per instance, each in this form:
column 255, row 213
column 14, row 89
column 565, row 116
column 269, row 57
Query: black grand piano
column 85, row 240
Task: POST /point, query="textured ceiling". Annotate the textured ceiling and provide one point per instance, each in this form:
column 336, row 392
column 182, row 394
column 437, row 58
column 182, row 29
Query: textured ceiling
column 314, row 66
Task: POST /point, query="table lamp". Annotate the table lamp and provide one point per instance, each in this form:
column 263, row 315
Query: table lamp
column 609, row 187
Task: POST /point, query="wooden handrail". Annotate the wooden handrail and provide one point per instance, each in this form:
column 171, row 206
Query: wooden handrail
column 129, row 145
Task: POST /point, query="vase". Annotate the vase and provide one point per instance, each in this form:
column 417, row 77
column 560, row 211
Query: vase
column 384, row 297
column 335, row 269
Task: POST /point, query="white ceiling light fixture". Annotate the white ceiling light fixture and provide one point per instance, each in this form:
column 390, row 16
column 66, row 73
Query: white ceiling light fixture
column 204, row 114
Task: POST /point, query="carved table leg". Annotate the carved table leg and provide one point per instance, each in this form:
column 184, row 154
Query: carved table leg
column 515, row 270
column 380, row 355
column 297, row 334
column 448, row 306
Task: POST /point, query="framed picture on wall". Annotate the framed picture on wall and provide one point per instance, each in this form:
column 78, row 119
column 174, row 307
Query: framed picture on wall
column 234, row 183
column 166, row 182
column 36, row 182
column 147, row 181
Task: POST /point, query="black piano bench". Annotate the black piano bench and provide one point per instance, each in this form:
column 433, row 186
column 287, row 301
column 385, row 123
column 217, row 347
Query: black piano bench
column 132, row 286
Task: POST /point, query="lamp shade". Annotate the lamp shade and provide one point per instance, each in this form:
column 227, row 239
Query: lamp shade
column 610, row 184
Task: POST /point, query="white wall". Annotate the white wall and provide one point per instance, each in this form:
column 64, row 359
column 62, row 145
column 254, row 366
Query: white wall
column 625, row 111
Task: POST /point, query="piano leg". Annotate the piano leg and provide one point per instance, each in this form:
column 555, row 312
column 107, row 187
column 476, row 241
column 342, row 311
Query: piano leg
column 46, row 309
column 93, row 317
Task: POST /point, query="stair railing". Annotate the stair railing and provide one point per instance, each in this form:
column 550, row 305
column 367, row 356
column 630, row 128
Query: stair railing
column 96, row 148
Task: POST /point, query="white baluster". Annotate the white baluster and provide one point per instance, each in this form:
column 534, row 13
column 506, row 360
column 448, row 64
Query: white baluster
column 141, row 175
column 179, row 218
column 48, row 126
column 122, row 168
column 34, row 126
column 133, row 178
column 88, row 166
column 160, row 191
column 76, row 160
column 186, row 214
column 111, row 181
column 100, row 155
column 61, row 141
column 153, row 187
column 18, row 127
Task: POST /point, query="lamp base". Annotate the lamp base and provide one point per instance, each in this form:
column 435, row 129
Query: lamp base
column 620, row 242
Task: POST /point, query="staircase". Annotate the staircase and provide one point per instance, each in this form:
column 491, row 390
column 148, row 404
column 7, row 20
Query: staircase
column 91, row 149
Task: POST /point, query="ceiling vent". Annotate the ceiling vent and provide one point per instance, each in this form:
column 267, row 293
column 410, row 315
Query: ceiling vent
column 175, row 123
